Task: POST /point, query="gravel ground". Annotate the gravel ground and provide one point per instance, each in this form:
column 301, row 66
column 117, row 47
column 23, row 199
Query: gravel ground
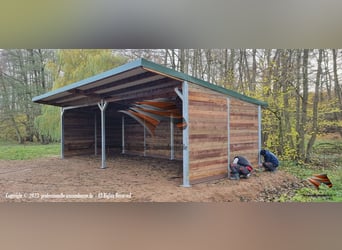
column 128, row 179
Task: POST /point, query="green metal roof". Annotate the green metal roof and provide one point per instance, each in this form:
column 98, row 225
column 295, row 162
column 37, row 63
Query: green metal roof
column 147, row 65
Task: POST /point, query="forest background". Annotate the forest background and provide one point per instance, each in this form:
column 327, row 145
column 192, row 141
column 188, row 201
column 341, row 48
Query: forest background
column 301, row 86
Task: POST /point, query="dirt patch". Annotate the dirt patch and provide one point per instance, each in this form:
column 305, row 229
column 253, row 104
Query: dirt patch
column 128, row 178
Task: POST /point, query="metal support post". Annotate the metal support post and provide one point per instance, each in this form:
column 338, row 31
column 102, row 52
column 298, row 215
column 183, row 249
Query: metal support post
column 228, row 135
column 172, row 142
column 185, row 98
column 62, row 133
column 144, row 138
column 123, row 134
column 102, row 105
column 95, row 134
column 259, row 133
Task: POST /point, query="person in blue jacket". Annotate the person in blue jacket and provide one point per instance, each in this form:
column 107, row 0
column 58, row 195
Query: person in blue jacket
column 270, row 162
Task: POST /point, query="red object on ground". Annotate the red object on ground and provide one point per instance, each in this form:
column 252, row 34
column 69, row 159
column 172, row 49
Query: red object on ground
column 317, row 179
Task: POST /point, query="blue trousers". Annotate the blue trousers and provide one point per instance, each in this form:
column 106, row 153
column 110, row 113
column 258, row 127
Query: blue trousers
column 269, row 166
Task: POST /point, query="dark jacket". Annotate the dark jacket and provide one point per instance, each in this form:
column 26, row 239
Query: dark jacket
column 243, row 161
column 270, row 157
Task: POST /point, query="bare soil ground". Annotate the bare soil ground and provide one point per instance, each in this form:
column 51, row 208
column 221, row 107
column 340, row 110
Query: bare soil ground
column 128, row 178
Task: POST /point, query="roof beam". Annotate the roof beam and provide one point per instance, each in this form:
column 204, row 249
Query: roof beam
column 160, row 83
column 90, row 92
column 82, row 101
column 83, row 93
column 122, row 81
column 143, row 94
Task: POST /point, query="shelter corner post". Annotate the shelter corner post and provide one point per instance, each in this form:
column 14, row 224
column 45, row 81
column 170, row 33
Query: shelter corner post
column 259, row 134
column 62, row 133
column 184, row 96
column 228, row 136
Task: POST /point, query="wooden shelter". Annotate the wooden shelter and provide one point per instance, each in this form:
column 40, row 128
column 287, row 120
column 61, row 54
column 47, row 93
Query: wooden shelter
column 147, row 109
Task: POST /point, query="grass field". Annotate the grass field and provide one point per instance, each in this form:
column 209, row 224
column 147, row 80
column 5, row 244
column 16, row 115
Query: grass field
column 327, row 158
column 12, row 151
column 311, row 194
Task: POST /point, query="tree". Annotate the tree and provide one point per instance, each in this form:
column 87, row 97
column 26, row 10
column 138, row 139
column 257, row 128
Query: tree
column 337, row 89
column 23, row 76
column 71, row 66
column 314, row 129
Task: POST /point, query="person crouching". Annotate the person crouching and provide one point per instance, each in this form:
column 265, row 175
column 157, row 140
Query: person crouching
column 240, row 167
column 270, row 162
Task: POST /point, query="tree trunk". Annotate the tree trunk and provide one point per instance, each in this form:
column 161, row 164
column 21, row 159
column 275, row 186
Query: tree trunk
column 254, row 70
column 231, row 76
column 182, row 60
column 286, row 65
column 337, row 89
column 247, row 74
column 304, row 105
column 315, row 109
column 299, row 128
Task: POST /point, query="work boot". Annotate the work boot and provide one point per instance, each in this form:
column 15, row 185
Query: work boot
column 234, row 176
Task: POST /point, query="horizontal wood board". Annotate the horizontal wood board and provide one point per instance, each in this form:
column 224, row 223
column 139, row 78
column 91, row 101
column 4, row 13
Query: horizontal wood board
column 208, row 143
column 244, row 130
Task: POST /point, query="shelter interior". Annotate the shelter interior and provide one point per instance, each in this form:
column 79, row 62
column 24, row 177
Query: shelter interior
column 123, row 133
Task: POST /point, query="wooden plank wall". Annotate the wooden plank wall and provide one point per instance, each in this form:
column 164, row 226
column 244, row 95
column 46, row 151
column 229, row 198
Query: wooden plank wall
column 113, row 131
column 134, row 137
column 80, row 135
column 244, row 130
column 79, row 129
column 78, row 132
column 157, row 145
column 208, row 145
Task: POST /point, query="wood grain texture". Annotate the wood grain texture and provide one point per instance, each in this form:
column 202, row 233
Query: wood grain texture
column 78, row 133
column 157, row 145
column 207, row 133
column 244, row 130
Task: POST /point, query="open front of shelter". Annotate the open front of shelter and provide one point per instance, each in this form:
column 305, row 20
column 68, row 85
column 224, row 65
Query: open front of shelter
column 146, row 109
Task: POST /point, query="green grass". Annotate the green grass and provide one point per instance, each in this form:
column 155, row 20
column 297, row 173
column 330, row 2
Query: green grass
column 326, row 158
column 311, row 194
column 11, row 151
